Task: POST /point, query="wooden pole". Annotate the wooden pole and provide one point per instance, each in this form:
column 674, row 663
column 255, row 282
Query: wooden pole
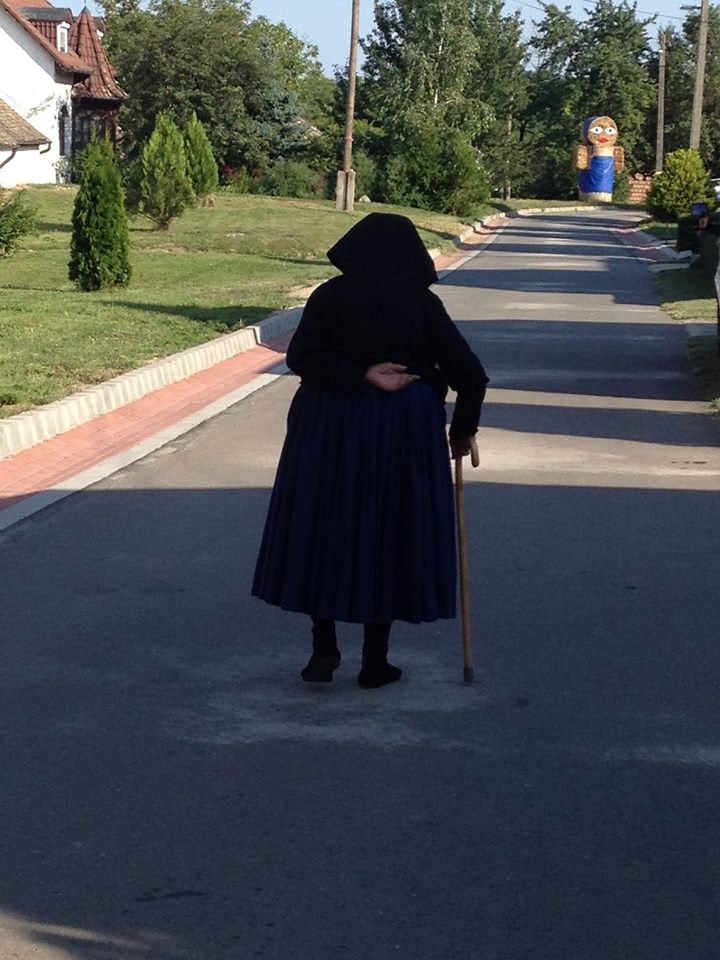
column 468, row 670
column 660, row 133
column 345, row 190
column 699, row 77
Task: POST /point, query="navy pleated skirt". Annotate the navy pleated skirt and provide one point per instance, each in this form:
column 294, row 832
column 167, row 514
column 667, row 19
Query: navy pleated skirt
column 361, row 522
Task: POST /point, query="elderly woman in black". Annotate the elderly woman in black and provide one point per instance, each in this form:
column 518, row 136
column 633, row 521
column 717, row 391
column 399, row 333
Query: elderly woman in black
column 360, row 526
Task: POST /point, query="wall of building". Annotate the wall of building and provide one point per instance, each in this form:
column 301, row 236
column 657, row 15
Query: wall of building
column 28, row 84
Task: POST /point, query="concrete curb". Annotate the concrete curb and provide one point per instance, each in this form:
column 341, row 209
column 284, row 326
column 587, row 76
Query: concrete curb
column 25, row 430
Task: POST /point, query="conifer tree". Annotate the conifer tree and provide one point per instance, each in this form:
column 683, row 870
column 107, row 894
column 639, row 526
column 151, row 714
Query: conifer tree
column 202, row 169
column 100, row 244
column 166, row 189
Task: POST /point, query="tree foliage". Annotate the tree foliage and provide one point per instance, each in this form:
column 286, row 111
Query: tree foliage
column 17, row 219
column 100, row 244
column 201, row 165
column 166, row 189
column 246, row 81
column 596, row 66
column 683, row 181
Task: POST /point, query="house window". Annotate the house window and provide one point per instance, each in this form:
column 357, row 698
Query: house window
column 63, row 131
column 83, row 130
column 62, row 37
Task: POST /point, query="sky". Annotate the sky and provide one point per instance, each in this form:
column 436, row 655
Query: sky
column 326, row 23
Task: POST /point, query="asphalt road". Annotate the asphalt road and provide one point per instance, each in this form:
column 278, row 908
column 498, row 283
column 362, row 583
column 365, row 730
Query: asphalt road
column 170, row 790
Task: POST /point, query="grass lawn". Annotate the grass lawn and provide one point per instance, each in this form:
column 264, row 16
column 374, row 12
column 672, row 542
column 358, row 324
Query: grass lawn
column 214, row 271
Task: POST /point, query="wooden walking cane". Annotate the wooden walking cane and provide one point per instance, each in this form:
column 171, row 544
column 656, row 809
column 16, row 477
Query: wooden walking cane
column 462, row 558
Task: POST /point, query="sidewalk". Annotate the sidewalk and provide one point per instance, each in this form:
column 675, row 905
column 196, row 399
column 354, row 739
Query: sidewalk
column 47, row 471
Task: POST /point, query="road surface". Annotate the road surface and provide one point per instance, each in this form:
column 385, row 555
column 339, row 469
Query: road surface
column 171, row 790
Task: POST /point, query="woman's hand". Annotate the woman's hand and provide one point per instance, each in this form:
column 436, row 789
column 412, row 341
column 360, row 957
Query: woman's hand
column 460, row 447
column 390, row 376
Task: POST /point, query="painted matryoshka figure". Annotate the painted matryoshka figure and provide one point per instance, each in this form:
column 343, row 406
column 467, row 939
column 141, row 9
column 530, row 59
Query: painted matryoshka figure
column 598, row 159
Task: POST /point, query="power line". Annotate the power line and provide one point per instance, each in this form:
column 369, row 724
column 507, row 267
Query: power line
column 648, row 13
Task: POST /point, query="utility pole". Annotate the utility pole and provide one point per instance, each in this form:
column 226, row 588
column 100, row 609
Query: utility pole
column 345, row 189
column 660, row 138
column 699, row 75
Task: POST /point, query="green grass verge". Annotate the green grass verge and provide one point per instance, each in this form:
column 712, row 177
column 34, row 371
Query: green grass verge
column 217, row 269
column 667, row 232
column 689, row 296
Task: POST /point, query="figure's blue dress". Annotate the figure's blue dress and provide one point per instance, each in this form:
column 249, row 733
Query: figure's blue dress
column 599, row 177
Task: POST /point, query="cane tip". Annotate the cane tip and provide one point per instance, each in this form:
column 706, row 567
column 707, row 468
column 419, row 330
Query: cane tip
column 468, row 674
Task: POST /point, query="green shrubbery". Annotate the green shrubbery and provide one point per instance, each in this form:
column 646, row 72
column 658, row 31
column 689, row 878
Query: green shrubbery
column 201, row 165
column 682, row 182
column 100, row 244
column 166, row 190
column 621, row 187
column 291, row 178
column 17, row 218
column 434, row 168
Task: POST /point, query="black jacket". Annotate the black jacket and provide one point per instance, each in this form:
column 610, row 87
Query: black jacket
column 381, row 310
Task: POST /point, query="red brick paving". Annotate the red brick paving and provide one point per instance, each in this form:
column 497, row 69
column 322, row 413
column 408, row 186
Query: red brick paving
column 51, row 462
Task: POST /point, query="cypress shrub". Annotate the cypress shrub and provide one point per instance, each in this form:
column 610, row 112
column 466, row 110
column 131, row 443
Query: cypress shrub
column 166, row 190
column 682, row 182
column 202, row 169
column 17, row 218
column 100, row 244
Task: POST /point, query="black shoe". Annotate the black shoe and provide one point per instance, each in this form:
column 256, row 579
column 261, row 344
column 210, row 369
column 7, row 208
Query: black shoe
column 378, row 675
column 320, row 667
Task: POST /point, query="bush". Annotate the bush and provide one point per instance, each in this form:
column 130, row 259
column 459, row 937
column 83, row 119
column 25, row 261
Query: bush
column 17, row 219
column 682, row 182
column 291, row 178
column 100, row 244
column 132, row 175
column 166, row 190
column 434, row 168
column 202, row 169
column 621, row 188
column 236, row 179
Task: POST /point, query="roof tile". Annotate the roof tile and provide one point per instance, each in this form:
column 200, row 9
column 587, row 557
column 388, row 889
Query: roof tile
column 84, row 40
column 16, row 132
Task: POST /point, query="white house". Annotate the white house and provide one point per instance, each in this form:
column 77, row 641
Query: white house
column 56, row 88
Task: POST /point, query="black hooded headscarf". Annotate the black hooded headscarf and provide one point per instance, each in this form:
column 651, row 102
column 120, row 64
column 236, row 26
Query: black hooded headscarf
column 385, row 254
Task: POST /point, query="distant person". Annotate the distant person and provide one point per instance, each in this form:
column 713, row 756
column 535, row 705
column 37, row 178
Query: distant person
column 360, row 526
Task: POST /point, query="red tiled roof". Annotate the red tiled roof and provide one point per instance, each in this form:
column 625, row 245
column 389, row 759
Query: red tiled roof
column 66, row 61
column 16, row 132
column 19, row 4
column 46, row 29
column 84, row 40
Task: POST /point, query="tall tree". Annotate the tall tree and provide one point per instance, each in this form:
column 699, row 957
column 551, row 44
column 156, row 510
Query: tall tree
column 166, row 187
column 612, row 72
column 201, row 165
column 100, row 243
column 553, row 114
column 420, row 88
column 245, row 80
column 500, row 82
column 597, row 66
